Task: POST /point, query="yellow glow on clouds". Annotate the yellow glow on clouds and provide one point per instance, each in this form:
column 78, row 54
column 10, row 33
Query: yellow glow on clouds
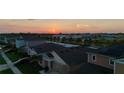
column 61, row 25
column 81, row 25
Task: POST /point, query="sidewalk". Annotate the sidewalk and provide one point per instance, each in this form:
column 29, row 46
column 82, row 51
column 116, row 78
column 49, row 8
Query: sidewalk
column 3, row 67
column 10, row 64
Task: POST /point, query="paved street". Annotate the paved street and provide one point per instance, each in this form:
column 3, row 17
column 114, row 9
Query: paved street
column 10, row 64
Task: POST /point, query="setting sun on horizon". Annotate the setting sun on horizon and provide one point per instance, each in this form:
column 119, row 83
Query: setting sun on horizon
column 54, row 29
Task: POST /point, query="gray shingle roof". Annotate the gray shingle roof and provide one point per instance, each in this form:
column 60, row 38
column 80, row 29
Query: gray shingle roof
column 72, row 56
column 114, row 51
column 47, row 47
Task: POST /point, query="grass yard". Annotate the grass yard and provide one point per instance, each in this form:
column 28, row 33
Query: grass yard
column 28, row 68
column 2, row 61
column 2, row 46
column 6, row 47
column 7, row 71
column 15, row 55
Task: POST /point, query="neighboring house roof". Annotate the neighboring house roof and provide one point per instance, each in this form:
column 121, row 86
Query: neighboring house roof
column 31, row 37
column 11, row 40
column 72, row 56
column 114, row 51
column 34, row 43
column 32, row 40
column 47, row 47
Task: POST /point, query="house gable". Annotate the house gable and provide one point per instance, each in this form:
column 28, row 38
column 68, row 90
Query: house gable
column 58, row 58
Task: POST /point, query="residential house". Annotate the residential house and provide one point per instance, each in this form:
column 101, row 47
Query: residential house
column 58, row 58
column 10, row 40
column 26, row 42
column 20, row 43
column 104, row 56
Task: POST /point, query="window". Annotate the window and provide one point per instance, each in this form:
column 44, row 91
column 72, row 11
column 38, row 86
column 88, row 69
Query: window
column 111, row 62
column 93, row 58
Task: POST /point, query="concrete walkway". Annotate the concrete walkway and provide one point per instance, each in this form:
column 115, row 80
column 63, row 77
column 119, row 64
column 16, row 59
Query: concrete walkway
column 20, row 60
column 3, row 67
column 7, row 50
column 10, row 64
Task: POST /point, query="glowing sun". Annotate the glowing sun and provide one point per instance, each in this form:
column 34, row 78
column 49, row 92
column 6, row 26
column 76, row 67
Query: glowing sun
column 54, row 30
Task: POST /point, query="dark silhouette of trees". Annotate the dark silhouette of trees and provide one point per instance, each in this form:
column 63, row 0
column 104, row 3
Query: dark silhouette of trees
column 88, row 41
column 63, row 39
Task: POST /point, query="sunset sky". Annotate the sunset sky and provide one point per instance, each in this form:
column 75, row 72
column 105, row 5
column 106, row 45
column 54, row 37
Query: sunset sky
column 63, row 25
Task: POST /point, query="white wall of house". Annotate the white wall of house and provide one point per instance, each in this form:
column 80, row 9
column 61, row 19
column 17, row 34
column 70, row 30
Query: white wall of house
column 60, row 68
column 55, row 64
column 119, row 66
column 57, row 58
column 30, row 51
column 20, row 43
column 101, row 60
column 59, row 64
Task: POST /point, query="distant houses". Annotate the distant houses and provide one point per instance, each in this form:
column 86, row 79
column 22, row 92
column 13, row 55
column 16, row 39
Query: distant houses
column 71, row 59
column 11, row 40
column 67, row 58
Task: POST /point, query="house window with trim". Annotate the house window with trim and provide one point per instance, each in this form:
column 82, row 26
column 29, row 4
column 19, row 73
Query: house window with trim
column 93, row 58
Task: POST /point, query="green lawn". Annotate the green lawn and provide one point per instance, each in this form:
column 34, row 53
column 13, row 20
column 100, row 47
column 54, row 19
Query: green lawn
column 27, row 68
column 2, row 46
column 13, row 56
column 7, row 71
column 6, row 47
column 2, row 61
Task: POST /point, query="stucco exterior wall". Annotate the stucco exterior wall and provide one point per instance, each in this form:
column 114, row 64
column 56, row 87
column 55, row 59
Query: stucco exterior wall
column 59, row 65
column 20, row 43
column 60, row 68
column 119, row 68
